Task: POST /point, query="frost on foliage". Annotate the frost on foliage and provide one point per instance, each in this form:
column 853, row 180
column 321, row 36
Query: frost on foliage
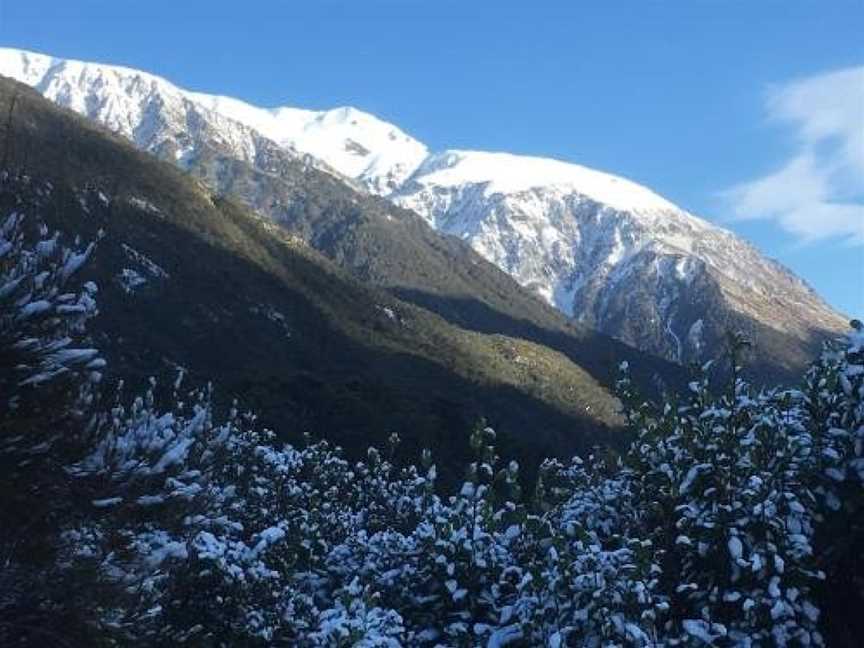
column 727, row 497
column 300, row 545
column 145, row 263
column 130, row 280
column 48, row 378
column 834, row 394
column 43, row 345
column 42, row 314
column 144, row 271
column 207, row 532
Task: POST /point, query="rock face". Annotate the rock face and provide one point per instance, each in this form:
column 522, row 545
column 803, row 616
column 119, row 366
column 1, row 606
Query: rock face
column 605, row 251
column 613, row 254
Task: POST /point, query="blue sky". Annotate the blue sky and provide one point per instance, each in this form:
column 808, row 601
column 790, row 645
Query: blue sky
column 746, row 113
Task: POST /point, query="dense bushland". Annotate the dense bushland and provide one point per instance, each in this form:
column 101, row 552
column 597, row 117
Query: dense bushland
column 734, row 517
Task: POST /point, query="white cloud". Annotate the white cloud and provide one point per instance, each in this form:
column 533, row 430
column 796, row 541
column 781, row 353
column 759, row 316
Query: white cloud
column 819, row 193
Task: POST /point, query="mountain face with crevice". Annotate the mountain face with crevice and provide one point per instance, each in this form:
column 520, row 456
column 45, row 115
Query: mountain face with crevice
column 618, row 257
column 607, row 253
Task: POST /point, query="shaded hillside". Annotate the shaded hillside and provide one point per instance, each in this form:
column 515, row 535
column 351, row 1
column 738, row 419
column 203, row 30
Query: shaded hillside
column 190, row 280
column 387, row 246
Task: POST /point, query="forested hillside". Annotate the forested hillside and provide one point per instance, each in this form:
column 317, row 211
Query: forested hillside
column 188, row 279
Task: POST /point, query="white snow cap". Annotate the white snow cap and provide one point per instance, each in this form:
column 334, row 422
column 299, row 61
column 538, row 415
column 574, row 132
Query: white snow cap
column 26, row 67
column 353, row 142
column 507, row 173
column 530, row 216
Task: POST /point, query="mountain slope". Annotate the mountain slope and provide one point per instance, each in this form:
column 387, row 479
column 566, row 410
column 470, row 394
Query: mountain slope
column 620, row 258
column 377, row 242
column 613, row 255
column 190, row 279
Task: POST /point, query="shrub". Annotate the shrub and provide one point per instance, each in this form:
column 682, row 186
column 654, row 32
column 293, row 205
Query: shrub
column 167, row 524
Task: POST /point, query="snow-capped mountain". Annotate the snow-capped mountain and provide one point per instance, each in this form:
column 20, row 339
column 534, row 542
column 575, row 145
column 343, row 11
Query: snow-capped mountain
column 150, row 111
column 157, row 115
column 603, row 249
column 355, row 143
column 610, row 252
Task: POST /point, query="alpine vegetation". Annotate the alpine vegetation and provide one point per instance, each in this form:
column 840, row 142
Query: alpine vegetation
column 156, row 520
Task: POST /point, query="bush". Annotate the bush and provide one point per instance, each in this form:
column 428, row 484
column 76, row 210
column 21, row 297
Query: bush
column 165, row 525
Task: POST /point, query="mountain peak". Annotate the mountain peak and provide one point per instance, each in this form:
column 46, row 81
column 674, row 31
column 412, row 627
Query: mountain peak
column 355, row 143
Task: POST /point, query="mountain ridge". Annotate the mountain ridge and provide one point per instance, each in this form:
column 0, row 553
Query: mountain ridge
column 183, row 272
column 587, row 242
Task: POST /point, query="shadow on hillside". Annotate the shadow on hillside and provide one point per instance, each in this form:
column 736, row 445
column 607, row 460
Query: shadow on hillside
column 352, row 392
column 596, row 353
column 338, row 373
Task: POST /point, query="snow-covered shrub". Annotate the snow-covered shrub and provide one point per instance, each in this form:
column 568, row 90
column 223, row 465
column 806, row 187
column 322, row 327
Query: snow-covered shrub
column 156, row 503
column 216, row 534
column 464, row 547
column 723, row 486
column 47, row 372
column 356, row 620
column 833, row 396
column 163, row 522
column 591, row 581
column 42, row 341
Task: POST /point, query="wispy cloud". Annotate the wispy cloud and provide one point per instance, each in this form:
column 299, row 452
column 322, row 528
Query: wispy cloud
column 819, row 193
